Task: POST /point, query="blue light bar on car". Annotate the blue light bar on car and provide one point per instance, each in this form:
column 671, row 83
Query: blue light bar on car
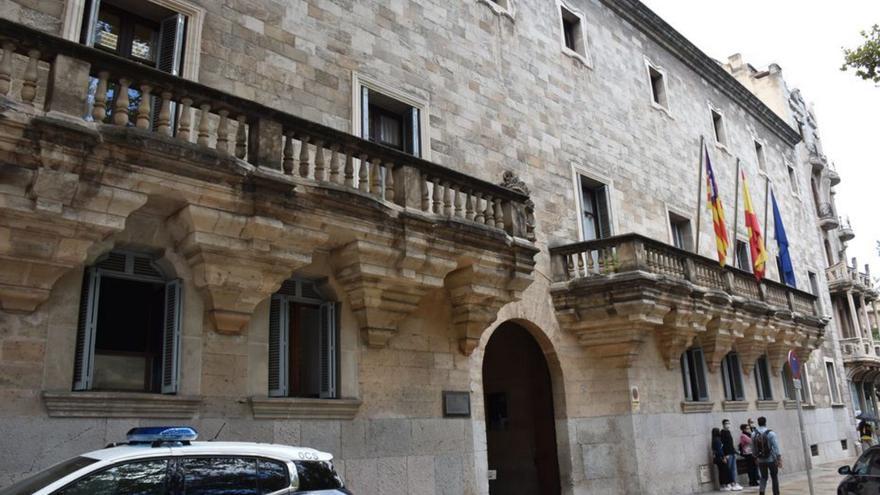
column 162, row 434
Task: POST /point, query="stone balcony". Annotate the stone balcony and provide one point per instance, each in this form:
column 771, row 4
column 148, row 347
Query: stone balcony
column 817, row 160
column 616, row 294
column 845, row 231
column 860, row 354
column 843, row 278
column 828, row 220
column 252, row 194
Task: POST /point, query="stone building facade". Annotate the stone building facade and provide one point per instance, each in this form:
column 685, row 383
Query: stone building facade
column 457, row 244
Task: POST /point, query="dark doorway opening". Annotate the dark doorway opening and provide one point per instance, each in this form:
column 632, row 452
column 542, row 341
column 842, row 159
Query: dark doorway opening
column 520, row 427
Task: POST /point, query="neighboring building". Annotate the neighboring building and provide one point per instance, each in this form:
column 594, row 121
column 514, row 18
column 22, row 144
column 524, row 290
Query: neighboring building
column 300, row 237
column 852, row 297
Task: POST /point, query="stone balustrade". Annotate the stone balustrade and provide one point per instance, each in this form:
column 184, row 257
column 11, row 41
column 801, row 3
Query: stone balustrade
column 614, row 293
column 843, row 277
column 252, row 193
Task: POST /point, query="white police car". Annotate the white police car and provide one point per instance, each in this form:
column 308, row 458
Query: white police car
column 167, row 461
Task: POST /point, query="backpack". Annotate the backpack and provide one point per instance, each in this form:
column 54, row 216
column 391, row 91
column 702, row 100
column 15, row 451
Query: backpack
column 761, row 445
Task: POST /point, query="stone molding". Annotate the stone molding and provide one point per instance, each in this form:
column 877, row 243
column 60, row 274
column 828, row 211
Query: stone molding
column 767, row 405
column 298, row 408
column 693, row 407
column 735, row 405
column 120, row 405
column 790, row 404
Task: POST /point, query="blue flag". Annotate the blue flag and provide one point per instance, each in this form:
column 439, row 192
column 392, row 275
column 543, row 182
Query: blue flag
column 787, row 274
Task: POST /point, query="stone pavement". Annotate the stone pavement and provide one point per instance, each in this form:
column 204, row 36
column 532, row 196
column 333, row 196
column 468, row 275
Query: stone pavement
column 825, row 480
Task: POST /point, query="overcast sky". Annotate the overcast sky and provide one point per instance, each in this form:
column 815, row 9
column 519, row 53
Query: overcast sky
column 805, row 38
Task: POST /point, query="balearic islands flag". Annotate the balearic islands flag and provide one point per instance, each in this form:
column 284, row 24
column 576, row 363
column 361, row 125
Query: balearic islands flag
column 714, row 204
column 756, row 241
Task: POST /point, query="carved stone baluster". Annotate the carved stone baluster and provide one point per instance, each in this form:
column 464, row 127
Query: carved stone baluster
column 120, row 108
column 490, row 211
column 469, row 206
column 437, row 196
column 6, row 67
column 203, row 124
column 163, row 121
column 240, row 138
column 184, row 126
column 99, row 110
column 304, row 156
column 334, row 164
column 287, row 154
column 499, row 214
column 425, row 199
column 581, row 269
column 479, row 216
column 459, row 201
column 144, row 108
column 223, row 132
column 319, row 161
column 389, row 182
column 447, row 199
column 348, row 172
column 363, row 176
column 29, row 79
column 375, row 177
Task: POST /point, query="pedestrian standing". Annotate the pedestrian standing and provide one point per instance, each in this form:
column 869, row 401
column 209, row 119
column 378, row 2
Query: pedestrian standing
column 866, row 434
column 745, row 449
column 720, row 461
column 765, row 447
column 730, row 456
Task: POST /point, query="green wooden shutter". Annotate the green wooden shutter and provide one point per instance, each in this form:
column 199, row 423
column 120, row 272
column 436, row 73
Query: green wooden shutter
column 278, row 345
column 328, row 347
column 171, row 338
column 83, row 364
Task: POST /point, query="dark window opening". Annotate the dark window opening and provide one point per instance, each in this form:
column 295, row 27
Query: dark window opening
column 658, row 87
column 595, row 214
column 742, row 256
column 390, row 122
column 572, row 31
column 680, row 228
column 718, row 127
column 693, row 375
column 792, row 177
column 814, row 450
column 732, row 377
column 844, row 445
column 788, row 387
column 759, row 153
column 316, row 476
column 762, row 379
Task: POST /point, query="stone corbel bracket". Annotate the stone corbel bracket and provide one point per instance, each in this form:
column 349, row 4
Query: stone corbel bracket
column 757, row 336
column 238, row 260
column 680, row 327
column 725, row 327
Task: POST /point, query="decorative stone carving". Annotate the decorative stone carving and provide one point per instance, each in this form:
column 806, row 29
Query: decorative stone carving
column 723, row 329
column 680, row 327
column 757, row 335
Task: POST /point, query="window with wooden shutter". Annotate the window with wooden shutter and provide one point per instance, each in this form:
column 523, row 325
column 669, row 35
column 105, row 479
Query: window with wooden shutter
column 85, row 331
column 303, row 342
column 595, row 210
column 693, row 374
column 390, row 122
column 171, row 338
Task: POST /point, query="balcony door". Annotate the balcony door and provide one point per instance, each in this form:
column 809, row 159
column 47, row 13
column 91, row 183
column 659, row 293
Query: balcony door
column 520, row 428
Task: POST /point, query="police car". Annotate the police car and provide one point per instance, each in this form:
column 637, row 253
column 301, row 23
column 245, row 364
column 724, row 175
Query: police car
column 167, row 461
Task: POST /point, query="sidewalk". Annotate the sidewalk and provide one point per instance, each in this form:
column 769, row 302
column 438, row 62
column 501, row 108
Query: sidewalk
column 825, row 480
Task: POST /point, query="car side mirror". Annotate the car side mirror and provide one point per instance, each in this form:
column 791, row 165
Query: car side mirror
column 844, row 470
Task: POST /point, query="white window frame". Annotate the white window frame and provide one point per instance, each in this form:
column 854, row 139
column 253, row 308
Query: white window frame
column 832, row 391
column 576, row 172
column 360, row 81
column 649, row 66
column 585, row 57
column 192, row 43
column 723, row 145
column 508, row 9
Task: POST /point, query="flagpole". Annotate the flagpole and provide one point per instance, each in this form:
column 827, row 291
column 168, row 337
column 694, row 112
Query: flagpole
column 766, row 203
column 736, row 214
column 699, row 192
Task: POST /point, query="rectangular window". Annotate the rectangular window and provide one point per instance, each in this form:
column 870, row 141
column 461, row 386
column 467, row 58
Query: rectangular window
column 732, row 377
column 595, row 215
column 693, row 375
column 573, row 32
column 680, row 231
column 762, row 379
column 832, row 382
column 806, row 393
column 792, row 178
column 742, row 256
column 718, row 127
column 759, row 154
column 658, row 87
column 390, row 122
column 788, row 387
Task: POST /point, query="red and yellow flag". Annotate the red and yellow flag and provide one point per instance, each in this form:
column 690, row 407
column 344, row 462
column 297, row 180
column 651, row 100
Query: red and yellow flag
column 714, row 204
column 756, row 241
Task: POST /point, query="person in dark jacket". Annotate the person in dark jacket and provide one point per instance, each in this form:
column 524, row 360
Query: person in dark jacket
column 719, row 460
column 729, row 449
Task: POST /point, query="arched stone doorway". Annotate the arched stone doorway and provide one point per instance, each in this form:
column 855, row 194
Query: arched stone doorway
column 520, row 419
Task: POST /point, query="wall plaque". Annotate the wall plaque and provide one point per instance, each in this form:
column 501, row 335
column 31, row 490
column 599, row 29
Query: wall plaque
column 456, row 404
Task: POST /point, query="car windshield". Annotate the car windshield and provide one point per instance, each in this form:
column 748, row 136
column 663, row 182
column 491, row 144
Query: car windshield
column 48, row 476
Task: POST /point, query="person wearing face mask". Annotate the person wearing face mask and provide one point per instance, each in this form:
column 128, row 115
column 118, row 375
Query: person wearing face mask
column 729, row 450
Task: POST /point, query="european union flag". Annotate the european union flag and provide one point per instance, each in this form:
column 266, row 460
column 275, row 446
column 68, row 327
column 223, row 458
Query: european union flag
column 787, row 274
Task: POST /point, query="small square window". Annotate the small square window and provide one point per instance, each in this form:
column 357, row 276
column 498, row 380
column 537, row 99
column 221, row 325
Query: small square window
column 759, row 154
column 573, row 32
column 718, row 127
column 658, row 87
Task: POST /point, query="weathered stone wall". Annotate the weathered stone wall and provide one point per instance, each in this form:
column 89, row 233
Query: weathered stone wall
column 502, row 96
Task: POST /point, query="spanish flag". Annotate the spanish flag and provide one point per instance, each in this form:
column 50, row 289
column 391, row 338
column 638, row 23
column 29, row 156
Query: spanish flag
column 756, row 241
column 714, row 204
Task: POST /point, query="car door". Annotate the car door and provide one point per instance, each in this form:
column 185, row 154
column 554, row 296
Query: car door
column 865, row 477
column 230, row 475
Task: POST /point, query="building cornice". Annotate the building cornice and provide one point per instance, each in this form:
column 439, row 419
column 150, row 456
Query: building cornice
column 646, row 21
